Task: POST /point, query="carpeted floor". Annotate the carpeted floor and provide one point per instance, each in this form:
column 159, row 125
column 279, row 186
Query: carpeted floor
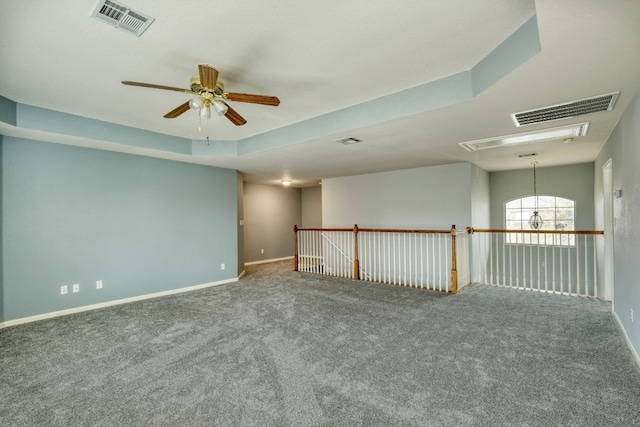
column 281, row 348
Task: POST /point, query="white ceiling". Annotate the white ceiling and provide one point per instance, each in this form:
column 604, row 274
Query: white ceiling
column 319, row 57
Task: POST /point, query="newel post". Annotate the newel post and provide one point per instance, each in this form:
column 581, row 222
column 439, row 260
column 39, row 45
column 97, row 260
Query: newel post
column 295, row 245
column 454, row 271
column 356, row 261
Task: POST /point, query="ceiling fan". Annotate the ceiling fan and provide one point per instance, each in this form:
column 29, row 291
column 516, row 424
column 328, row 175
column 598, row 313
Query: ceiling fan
column 210, row 94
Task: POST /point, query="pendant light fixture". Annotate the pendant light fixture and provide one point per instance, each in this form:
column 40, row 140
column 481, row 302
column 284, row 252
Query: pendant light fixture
column 535, row 222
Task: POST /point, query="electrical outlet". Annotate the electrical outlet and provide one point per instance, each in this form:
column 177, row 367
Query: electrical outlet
column 261, row 251
column 76, row 287
column 222, row 266
column 64, row 290
column 631, row 314
column 99, row 284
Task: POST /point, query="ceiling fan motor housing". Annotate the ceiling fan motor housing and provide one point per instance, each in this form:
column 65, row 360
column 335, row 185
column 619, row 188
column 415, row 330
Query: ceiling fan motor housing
column 206, row 93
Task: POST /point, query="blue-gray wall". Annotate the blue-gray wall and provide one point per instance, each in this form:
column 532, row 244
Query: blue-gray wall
column 240, row 222
column 311, row 207
column 480, row 198
column 623, row 148
column 1, row 234
column 270, row 212
column 573, row 182
column 141, row 225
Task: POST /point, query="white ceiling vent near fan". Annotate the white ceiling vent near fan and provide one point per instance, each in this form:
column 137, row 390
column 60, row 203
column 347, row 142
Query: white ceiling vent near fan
column 566, row 110
column 122, row 17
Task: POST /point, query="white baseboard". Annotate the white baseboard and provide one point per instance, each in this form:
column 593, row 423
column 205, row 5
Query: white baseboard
column 113, row 302
column 626, row 337
column 268, row 260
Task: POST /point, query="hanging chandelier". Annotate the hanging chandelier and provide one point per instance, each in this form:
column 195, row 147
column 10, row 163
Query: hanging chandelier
column 535, row 222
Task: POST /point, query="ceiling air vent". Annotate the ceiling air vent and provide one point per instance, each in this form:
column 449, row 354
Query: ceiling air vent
column 122, row 17
column 566, row 110
column 565, row 133
column 348, row 141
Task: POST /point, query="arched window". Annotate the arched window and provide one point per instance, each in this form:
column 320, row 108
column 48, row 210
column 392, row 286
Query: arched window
column 557, row 213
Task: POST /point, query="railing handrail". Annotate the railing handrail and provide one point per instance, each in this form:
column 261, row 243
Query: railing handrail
column 495, row 230
column 381, row 230
column 393, row 230
column 324, row 229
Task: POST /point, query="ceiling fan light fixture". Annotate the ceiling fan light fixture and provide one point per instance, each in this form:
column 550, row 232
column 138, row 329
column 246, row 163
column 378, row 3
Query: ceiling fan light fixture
column 205, row 112
column 220, row 107
column 196, row 104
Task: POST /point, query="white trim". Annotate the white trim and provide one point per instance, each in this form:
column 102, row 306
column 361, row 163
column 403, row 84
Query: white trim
column 626, row 337
column 112, row 303
column 268, row 260
column 608, row 244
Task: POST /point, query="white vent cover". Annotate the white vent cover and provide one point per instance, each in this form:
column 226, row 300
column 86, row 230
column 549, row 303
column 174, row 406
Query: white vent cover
column 551, row 134
column 566, row 110
column 122, row 17
column 348, row 141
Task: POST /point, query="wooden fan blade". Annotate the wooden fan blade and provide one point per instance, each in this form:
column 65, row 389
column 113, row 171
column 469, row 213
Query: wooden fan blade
column 254, row 99
column 177, row 111
column 208, row 76
column 234, row 117
column 152, row 86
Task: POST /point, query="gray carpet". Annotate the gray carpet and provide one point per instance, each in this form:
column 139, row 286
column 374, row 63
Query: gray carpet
column 281, row 348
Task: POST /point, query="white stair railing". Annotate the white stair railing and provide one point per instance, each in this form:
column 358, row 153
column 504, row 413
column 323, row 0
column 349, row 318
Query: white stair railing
column 406, row 258
column 563, row 262
column 326, row 251
column 413, row 258
column 338, row 253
